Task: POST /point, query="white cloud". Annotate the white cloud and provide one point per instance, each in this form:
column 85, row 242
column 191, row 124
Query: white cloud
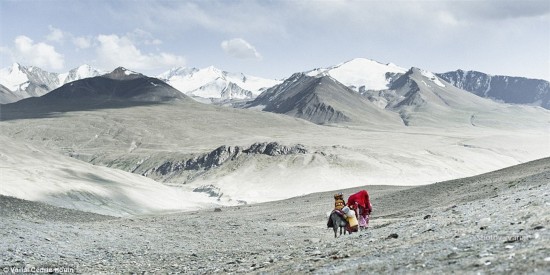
column 36, row 54
column 114, row 51
column 82, row 42
column 239, row 48
column 55, row 35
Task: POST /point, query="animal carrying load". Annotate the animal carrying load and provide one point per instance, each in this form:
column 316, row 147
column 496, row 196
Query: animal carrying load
column 353, row 224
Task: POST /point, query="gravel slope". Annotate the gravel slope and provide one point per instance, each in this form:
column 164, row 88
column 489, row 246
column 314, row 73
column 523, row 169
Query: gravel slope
column 496, row 222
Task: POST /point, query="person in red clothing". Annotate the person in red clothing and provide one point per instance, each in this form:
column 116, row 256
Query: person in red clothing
column 361, row 204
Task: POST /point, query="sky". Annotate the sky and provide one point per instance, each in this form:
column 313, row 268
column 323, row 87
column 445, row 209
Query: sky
column 274, row 39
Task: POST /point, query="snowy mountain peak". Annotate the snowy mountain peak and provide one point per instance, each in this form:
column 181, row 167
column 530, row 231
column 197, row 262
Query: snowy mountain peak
column 426, row 74
column 85, row 68
column 177, row 71
column 362, row 74
column 80, row 72
column 13, row 77
column 126, row 71
column 122, row 73
column 122, row 70
column 213, row 83
column 368, row 63
column 15, row 67
column 28, row 81
column 214, row 70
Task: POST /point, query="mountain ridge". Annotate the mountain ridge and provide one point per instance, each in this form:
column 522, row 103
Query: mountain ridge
column 320, row 99
column 119, row 88
column 31, row 81
column 211, row 85
column 508, row 89
column 215, row 84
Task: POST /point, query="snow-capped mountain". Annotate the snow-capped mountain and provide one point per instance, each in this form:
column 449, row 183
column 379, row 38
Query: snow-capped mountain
column 32, row 81
column 321, row 99
column 120, row 84
column 81, row 72
column 415, row 98
column 119, row 88
column 28, row 81
column 509, row 89
column 372, row 78
column 212, row 83
column 361, row 74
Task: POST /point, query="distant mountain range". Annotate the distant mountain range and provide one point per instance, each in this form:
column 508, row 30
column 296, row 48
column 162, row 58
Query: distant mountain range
column 120, row 88
column 509, row 89
column 416, row 97
column 320, row 99
column 369, row 78
column 32, row 81
column 213, row 85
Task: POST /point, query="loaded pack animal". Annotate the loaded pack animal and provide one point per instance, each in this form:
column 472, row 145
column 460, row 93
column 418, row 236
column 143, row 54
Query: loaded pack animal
column 342, row 217
column 337, row 220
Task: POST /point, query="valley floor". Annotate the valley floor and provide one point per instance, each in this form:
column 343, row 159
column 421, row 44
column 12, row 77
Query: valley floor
column 495, row 222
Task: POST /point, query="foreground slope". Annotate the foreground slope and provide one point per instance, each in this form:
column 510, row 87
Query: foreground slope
column 37, row 174
column 501, row 228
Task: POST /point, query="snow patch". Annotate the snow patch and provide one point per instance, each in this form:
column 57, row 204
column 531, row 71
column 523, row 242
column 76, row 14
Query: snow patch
column 432, row 77
column 360, row 72
column 129, row 72
column 12, row 77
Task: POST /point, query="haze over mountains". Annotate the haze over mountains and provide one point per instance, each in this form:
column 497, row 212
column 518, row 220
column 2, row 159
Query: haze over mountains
column 320, row 130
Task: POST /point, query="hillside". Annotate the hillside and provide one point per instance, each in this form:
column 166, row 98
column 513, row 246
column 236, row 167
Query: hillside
column 494, row 222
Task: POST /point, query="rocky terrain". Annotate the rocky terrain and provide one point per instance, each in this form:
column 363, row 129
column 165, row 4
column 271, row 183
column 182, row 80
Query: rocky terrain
column 495, row 222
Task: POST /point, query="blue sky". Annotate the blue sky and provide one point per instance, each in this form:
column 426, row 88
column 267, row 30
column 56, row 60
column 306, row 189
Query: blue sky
column 277, row 38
